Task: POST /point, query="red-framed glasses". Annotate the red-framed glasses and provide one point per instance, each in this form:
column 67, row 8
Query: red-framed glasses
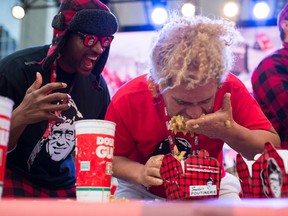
column 91, row 40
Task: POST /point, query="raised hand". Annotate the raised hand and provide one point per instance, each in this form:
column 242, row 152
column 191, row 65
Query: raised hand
column 37, row 104
column 214, row 125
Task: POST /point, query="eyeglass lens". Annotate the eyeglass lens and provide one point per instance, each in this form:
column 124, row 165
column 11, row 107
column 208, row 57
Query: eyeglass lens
column 91, row 40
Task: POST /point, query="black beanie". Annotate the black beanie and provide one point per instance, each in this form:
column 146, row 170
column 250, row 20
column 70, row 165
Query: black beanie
column 88, row 17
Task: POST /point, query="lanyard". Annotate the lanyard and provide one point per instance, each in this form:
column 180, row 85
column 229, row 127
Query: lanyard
column 51, row 123
column 170, row 134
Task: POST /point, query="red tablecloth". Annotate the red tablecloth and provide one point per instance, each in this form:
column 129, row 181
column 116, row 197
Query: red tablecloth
column 263, row 207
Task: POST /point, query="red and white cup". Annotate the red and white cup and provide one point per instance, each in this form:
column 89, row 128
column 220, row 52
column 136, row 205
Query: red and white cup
column 6, row 107
column 94, row 153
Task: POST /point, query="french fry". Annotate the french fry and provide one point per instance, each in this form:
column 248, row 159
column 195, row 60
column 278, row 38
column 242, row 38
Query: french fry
column 178, row 124
column 178, row 155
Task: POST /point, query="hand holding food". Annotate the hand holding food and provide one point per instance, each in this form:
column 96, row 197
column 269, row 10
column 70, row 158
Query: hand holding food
column 213, row 125
column 151, row 173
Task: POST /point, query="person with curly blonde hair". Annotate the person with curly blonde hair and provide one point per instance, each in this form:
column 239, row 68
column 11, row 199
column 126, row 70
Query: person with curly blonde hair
column 193, row 51
column 189, row 78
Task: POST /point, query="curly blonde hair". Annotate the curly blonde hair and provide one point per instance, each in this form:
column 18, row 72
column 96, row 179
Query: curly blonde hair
column 193, row 50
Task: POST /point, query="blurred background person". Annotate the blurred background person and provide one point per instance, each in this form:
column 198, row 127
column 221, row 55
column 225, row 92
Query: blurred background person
column 270, row 82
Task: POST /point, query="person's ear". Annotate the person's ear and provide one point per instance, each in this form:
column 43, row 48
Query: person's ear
column 284, row 25
column 58, row 22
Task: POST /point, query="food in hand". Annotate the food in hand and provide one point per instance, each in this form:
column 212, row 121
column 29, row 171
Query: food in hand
column 228, row 124
column 178, row 124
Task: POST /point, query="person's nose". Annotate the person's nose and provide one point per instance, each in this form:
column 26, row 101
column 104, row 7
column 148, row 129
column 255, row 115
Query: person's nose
column 98, row 48
column 194, row 111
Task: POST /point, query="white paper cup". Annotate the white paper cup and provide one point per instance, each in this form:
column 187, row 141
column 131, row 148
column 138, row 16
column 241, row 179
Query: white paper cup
column 6, row 107
column 94, row 153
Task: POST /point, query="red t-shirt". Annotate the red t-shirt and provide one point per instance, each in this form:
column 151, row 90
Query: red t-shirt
column 140, row 122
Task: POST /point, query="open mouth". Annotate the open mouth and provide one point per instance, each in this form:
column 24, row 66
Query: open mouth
column 89, row 62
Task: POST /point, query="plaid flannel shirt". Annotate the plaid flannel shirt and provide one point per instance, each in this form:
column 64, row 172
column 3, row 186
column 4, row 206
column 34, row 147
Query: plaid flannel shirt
column 270, row 89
